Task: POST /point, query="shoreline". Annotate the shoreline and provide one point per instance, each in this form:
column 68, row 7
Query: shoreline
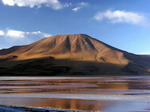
column 67, row 77
column 112, row 97
column 9, row 108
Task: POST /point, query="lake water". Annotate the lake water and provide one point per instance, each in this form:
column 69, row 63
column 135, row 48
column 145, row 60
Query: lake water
column 106, row 94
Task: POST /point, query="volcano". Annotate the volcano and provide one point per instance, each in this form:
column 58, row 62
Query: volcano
column 70, row 55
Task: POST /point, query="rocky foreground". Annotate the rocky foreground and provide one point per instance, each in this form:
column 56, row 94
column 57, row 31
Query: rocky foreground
column 31, row 109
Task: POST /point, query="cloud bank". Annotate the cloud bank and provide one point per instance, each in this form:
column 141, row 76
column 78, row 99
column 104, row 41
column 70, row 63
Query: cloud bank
column 54, row 4
column 15, row 34
column 2, row 33
column 21, row 34
column 11, row 37
column 119, row 16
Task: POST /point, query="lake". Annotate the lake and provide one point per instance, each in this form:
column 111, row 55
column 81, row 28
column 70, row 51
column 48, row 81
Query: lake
column 104, row 94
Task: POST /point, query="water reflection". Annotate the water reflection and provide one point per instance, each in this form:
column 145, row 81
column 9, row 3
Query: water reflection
column 113, row 85
column 94, row 86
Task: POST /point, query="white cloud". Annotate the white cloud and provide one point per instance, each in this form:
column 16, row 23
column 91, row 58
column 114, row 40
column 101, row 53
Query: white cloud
column 11, row 37
column 83, row 4
column 38, row 33
column 46, row 34
column 119, row 16
column 54, row 4
column 76, row 9
column 2, row 33
column 67, row 4
column 8, row 2
column 80, row 6
column 15, row 34
column 21, row 34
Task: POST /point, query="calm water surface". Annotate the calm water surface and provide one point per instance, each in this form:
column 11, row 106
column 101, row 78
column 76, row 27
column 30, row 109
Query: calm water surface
column 106, row 94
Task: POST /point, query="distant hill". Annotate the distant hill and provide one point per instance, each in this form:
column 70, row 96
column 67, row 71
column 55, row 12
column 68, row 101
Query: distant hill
column 77, row 54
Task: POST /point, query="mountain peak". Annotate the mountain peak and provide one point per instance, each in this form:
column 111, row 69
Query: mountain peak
column 71, row 36
column 74, row 46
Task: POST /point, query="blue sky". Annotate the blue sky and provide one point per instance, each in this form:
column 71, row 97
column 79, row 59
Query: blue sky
column 124, row 24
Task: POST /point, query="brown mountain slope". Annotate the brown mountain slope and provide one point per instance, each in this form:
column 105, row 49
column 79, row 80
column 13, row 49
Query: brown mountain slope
column 79, row 49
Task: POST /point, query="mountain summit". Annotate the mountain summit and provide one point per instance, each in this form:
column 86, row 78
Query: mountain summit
column 74, row 48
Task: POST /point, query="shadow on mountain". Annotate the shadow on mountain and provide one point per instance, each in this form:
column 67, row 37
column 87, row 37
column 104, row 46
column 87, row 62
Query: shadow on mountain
column 9, row 50
column 138, row 64
column 60, row 67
